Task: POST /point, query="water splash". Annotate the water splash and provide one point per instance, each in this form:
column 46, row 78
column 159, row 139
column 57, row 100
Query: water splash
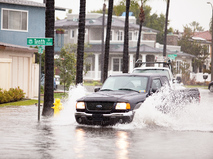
column 67, row 116
column 179, row 116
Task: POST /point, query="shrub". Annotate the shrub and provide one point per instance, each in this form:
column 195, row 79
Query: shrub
column 13, row 94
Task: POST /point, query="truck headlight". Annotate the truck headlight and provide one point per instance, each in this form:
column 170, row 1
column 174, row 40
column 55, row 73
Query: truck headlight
column 122, row 106
column 80, row 105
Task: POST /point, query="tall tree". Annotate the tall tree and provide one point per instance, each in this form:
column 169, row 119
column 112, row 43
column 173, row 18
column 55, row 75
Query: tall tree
column 196, row 26
column 141, row 20
column 102, row 45
column 80, row 49
column 66, row 63
column 195, row 48
column 107, row 45
column 49, row 59
column 126, row 40
column 165, row 32
column 121, row 7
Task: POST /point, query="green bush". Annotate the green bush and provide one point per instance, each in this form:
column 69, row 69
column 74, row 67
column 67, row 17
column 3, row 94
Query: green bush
column 12, row 95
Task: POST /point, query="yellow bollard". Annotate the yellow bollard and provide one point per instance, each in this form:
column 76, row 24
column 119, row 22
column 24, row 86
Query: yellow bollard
column 57, row 107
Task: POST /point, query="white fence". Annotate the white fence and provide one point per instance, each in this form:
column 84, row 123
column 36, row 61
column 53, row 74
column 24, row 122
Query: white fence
column 199, row 77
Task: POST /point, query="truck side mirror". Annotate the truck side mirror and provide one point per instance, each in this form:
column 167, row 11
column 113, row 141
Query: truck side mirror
column 97, row 89
column 154, row 90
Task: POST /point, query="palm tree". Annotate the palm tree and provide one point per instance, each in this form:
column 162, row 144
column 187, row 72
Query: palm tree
column 126, row 40
column 102, row 46
column 141, row 18
column 165, row 32
column 49, row 59
column 80, row 49
column 107, row 45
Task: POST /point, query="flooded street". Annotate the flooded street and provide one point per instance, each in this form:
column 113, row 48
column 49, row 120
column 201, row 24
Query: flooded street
column 185, row 133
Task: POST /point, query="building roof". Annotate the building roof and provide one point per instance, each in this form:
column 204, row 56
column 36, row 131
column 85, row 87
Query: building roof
column 118, row 48
column 28, row 3
column 203, row 35
column 97, row 22
column 23, row 2
column 6, row 46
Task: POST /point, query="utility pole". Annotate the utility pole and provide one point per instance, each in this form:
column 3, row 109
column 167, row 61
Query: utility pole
column 211, row 45
column 102, row 47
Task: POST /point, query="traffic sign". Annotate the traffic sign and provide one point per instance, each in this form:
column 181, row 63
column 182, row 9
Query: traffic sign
column 40, row 49
column 172, row 56
column 40, row 41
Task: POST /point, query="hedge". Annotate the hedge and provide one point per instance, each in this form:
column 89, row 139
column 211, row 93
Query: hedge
column 12, row 95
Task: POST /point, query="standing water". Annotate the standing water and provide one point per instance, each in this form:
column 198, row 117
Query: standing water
column 184, row 132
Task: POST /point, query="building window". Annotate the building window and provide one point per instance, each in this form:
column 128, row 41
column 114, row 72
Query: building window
column 141, row 36
column 136, row 35
column 130, row 35
column 117, row 64
column 120, row 35
column 14, row 20
column 88, row 64
column 110, row 35
column 72, row 34
column 58, row 40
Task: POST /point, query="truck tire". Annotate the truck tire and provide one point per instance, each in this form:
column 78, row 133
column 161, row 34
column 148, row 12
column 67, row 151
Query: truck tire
column 211, row 88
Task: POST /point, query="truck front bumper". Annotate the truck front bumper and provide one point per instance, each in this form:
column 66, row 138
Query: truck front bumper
column 104, row 119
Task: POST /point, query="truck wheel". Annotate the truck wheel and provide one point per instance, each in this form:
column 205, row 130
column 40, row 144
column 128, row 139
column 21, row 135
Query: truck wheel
column 211, row 88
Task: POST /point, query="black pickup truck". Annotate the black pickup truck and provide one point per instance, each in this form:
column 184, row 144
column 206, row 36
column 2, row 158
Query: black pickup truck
column 119, row 98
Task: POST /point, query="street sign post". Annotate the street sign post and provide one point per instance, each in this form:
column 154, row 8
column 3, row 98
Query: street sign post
column 40, row 41
column 172, row 56
column 40, row 49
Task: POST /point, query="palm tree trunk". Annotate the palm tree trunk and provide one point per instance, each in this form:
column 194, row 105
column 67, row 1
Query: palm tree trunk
column 142, row 18
column 107, row 45
column 165, row 32
column 139, row 42
column 102, row 47
column 126, row 40
column 49, row 59
column 80, row 49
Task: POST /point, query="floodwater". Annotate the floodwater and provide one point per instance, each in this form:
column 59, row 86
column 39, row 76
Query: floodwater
column 185, row 133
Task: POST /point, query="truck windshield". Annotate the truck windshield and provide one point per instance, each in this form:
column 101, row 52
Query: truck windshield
column 159, row 71
column 126, row 83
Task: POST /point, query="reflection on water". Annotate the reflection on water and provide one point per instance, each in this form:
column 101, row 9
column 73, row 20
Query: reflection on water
column 187, row 134
column 80, row 143
column 122, row 145
column 44, row 140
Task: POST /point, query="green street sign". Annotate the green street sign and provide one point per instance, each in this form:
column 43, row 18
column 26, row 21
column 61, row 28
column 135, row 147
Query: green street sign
column 40, row 41
column 172, row 56
column 40, row 49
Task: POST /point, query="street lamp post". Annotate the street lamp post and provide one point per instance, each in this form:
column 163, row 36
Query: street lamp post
column 211, row 45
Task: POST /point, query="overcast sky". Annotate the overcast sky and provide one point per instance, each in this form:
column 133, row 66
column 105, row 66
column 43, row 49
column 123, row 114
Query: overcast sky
column 181, row 12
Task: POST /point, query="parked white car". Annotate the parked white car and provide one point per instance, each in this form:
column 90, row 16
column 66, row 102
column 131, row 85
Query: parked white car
column 57, row 80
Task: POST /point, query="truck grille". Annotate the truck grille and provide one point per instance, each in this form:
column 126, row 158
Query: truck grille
column 99, row 106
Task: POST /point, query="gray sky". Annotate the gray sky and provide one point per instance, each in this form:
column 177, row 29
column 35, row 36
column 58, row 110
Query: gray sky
column 181, row 12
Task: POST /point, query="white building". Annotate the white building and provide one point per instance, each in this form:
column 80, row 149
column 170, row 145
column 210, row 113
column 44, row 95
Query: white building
column 149, row 49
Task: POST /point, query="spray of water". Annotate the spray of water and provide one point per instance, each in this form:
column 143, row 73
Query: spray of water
column 164, row 109
column 169, row 109
column 67, row 114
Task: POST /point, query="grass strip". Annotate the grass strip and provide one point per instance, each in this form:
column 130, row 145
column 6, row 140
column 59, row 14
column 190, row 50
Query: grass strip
column 26, row 102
